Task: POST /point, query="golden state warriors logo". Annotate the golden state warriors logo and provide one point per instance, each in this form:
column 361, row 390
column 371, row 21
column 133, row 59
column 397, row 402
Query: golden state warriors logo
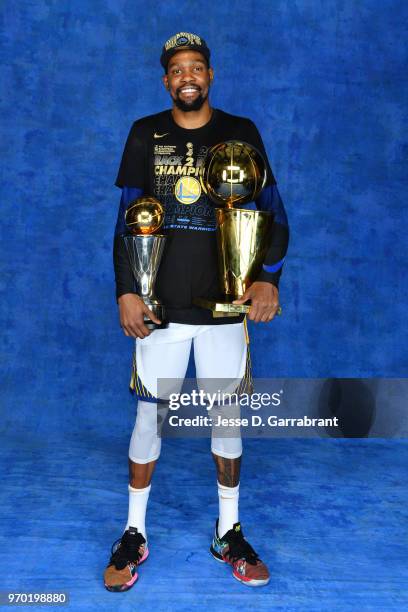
column 187, row 190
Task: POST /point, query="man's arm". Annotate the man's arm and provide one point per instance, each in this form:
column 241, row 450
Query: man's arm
column 123, row 272
column 131, row 179
column 271, row 201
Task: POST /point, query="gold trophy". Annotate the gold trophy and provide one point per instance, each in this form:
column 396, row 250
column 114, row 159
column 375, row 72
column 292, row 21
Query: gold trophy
column 144, row 217
column 233, row 174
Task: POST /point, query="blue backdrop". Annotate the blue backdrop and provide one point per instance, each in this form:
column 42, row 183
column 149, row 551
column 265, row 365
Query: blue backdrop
column 326, row 84
column 325, row 81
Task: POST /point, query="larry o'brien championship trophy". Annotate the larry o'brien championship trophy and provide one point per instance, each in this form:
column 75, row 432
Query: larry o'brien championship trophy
column 233, row 174
column 144, row 217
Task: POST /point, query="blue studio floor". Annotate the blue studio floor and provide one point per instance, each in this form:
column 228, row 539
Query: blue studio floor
column 329, row 516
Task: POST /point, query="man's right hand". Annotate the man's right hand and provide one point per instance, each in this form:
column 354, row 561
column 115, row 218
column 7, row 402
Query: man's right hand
column 131, row 312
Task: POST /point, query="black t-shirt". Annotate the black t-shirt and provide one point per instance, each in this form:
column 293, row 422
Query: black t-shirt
column 164, row 160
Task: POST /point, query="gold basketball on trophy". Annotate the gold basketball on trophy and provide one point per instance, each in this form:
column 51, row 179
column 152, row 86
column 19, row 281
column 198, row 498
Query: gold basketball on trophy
column 233, row 173
column 144, row 216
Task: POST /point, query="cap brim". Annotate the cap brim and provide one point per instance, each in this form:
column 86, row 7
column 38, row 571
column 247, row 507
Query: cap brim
column 164, row 60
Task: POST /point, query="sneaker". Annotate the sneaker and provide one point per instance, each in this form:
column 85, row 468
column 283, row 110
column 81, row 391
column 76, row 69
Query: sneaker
column 126, row 554
column 233, row 548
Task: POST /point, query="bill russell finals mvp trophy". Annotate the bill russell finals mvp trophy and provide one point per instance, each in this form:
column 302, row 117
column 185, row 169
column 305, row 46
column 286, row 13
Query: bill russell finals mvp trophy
column 144, row 217
column 233, row 174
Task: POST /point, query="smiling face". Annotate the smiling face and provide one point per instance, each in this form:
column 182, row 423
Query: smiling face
column 188, row 80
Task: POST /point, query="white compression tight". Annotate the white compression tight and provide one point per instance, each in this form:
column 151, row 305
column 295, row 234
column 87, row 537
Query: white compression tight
column 145, row 444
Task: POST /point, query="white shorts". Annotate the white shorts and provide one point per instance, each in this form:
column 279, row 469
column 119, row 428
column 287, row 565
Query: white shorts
column 220, row 352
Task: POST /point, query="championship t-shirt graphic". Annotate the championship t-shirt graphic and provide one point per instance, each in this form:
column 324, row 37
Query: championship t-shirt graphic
column 163, row 160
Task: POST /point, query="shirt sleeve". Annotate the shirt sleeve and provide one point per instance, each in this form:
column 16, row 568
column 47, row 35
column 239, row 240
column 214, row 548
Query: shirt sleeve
column 133, row 165
column 131, row 179
column 271, row 201
column 124, row 279
column 256, row 140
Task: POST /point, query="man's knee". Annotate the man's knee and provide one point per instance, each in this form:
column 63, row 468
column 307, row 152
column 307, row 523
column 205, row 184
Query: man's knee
column 145, row 444
column 228, row 448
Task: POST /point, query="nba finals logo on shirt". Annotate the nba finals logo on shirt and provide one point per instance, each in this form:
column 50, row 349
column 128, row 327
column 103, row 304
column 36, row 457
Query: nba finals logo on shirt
column 187, row 190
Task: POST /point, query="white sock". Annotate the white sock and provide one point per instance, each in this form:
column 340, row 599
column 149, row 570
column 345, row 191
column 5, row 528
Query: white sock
column 228, row 503
column 137, row 509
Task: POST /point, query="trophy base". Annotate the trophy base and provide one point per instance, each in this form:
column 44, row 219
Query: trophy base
column 151, row 325
column 159, row 311
column 222, row 309
column 225, row 309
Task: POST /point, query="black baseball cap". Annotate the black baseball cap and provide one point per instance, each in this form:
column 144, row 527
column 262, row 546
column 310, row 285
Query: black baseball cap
column 183, row 41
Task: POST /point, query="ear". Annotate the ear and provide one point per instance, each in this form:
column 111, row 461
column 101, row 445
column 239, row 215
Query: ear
column 165, row 81
column 211, row 73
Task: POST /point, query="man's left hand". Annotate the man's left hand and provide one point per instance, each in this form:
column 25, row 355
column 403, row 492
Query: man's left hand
column 264, row 301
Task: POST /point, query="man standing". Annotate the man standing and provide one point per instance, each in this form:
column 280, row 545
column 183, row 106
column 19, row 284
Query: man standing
column 163, row 158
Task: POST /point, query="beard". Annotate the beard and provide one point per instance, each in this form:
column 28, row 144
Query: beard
column 194, row 105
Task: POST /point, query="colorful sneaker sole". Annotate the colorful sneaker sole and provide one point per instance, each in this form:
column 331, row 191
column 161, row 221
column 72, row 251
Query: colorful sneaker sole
column 120, row 588
column 246, row 581
column 249, row 582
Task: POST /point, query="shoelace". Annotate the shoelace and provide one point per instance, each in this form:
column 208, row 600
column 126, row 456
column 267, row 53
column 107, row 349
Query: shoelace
column 128, row 550
column 239, row 548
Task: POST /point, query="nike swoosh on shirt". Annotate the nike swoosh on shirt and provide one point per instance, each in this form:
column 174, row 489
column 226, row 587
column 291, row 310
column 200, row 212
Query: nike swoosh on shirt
column 155, row 135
